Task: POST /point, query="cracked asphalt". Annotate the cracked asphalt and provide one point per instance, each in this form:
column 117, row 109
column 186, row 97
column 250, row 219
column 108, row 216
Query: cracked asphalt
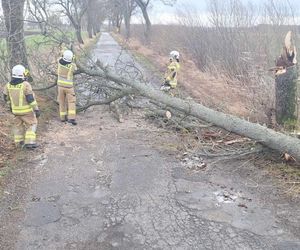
column 109, row 185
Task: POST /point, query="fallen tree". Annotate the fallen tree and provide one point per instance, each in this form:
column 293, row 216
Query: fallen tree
column 268, row 137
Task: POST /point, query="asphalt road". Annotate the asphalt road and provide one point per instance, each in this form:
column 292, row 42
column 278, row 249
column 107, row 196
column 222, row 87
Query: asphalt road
column 109, row 185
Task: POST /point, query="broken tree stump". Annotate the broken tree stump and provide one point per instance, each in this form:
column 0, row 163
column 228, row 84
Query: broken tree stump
column 286, row 96
column 286, row 84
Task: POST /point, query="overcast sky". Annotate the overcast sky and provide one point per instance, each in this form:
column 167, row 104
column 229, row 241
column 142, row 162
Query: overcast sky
column 161, row 13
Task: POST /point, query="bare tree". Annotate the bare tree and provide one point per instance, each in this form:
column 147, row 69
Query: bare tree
column 143, row 5
column 129, row 7
column 115, row 8
column 95, row 16
column 13, row 15
column 39, row 10
column 277, row 12
column 74, row 10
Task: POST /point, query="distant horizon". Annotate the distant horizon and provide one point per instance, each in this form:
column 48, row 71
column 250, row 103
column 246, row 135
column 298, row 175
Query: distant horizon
column 164, row 14
column 259, row 24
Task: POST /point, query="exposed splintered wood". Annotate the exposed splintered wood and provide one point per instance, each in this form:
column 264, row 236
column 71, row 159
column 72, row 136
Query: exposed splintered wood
column 261, row 134
column 286, row 83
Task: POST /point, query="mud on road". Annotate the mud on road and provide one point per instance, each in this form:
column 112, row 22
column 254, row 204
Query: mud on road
column 109, row 185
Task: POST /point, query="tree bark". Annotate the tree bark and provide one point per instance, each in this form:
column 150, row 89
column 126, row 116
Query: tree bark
column 97, row 27
column 13, row 15
column 286, row 83
column 148, row 25
column 127, row 26
column 78, row 34
column 90, row 18
column 90, row 28
column 286, row 99
column 261, row 134
column 143, row 7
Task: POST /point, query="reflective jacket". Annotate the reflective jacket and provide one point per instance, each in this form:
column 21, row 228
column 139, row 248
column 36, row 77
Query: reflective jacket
column 65, row 74
column 20, row 97
column 171, row 73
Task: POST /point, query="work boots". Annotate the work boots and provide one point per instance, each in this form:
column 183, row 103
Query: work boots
column 165, row 87
column 30, row 146
column 72, row 121
column 63, row 118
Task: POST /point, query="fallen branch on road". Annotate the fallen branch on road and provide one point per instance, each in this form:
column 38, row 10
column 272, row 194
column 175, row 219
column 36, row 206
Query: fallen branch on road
column 109, row 100
column 261, row 134
column 45, row 88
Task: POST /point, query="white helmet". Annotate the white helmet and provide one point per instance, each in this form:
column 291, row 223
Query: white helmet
column 174, row 55
column 68, row 55
column 18, row 71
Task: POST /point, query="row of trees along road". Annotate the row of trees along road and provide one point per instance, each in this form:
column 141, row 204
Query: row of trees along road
column 93, row 13
column 125, row 9
column 45, row 13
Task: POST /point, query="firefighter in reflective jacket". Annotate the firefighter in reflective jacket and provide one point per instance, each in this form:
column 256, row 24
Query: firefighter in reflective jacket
column 19, row 96
column 172, row 72
column 66, row 92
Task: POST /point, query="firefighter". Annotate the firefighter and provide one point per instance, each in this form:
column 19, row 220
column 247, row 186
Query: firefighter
column 66, row 92
column 170, row 80
column 19, row 96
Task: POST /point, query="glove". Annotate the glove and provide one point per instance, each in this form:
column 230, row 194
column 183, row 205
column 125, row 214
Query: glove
column 37, row 113
column 29, row 79
column 167, row 82
column 28, row 76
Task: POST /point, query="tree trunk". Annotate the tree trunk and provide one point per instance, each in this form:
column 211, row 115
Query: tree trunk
column 13, row 15
column 261, row 134
column 127, row 26
column 97, row 25
column 90, row 28
column 148, row 25
column 90, row 18
column 78, row 34
column 286, row 100
column 143, row 8
column 119, row 24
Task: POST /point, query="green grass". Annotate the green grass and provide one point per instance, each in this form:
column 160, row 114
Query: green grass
column 37, row 41
column 41, row 41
